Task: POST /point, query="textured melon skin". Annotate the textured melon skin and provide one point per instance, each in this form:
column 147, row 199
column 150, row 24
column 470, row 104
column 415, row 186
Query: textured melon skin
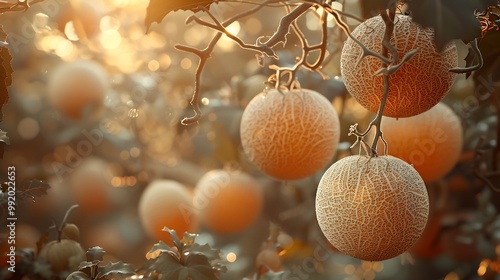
column 417, row 86
column 432, row 141
column 290, row 134
column 372, row 209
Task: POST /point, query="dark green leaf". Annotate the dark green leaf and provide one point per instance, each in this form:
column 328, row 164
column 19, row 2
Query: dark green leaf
column 116, row 268
column 164, row 248
column 164, row 264
column 188, row 238
column 32, row 189
column 78, row 275
column 206, row 250
column 86, row 264
column 175, row 239
column 158, row 9
column 198, row 267
column 450, row 19
column 95, row 254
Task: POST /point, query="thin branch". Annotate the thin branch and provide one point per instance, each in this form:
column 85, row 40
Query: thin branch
column 63, row 222
column 393, row 68
column 204, row 55
column 477, row 52
column 306, row 50
column 221, row 28
column 280, row 35
column 389, row 28
column 364, row 50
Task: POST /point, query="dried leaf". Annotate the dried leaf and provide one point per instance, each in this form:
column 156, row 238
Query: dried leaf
column 95, row 254
column 450, row 19
column 5, row 71
column 116, row 268
column 32, row 189
column 158, row 9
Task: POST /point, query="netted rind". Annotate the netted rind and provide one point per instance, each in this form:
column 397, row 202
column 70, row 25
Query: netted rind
column 372, row 209
column 418, row 85
column 291, row 134
column 431, row 142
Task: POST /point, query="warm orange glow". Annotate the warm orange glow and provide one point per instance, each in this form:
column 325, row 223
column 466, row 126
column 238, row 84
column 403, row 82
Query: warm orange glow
column 231, row 257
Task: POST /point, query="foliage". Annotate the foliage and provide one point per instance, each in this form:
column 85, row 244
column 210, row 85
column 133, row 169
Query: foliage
column 185, row 259
column 299, row 41
column 91, row 268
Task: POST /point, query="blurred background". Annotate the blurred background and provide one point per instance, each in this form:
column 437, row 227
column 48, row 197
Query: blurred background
column 95, row 108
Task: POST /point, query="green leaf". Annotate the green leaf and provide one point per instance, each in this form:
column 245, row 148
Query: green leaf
column 199, row 267
column 450, row 19
column 78, row 275
column 95, row 253
column 158, row 9
column 85, row 264
column 165, row 264
column 116, row 268
column 32, row 189
column 188, row 238
column 175, row 239
column 164, row 248
column 206, row 250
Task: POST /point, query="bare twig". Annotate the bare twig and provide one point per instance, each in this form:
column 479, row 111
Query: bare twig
column 204, row 55
column 477, row 52
column 306, row 50
column 280, row 35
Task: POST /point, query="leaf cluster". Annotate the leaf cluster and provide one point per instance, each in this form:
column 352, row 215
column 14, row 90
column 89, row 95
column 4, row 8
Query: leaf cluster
column 184, row 259
column 92, row 270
